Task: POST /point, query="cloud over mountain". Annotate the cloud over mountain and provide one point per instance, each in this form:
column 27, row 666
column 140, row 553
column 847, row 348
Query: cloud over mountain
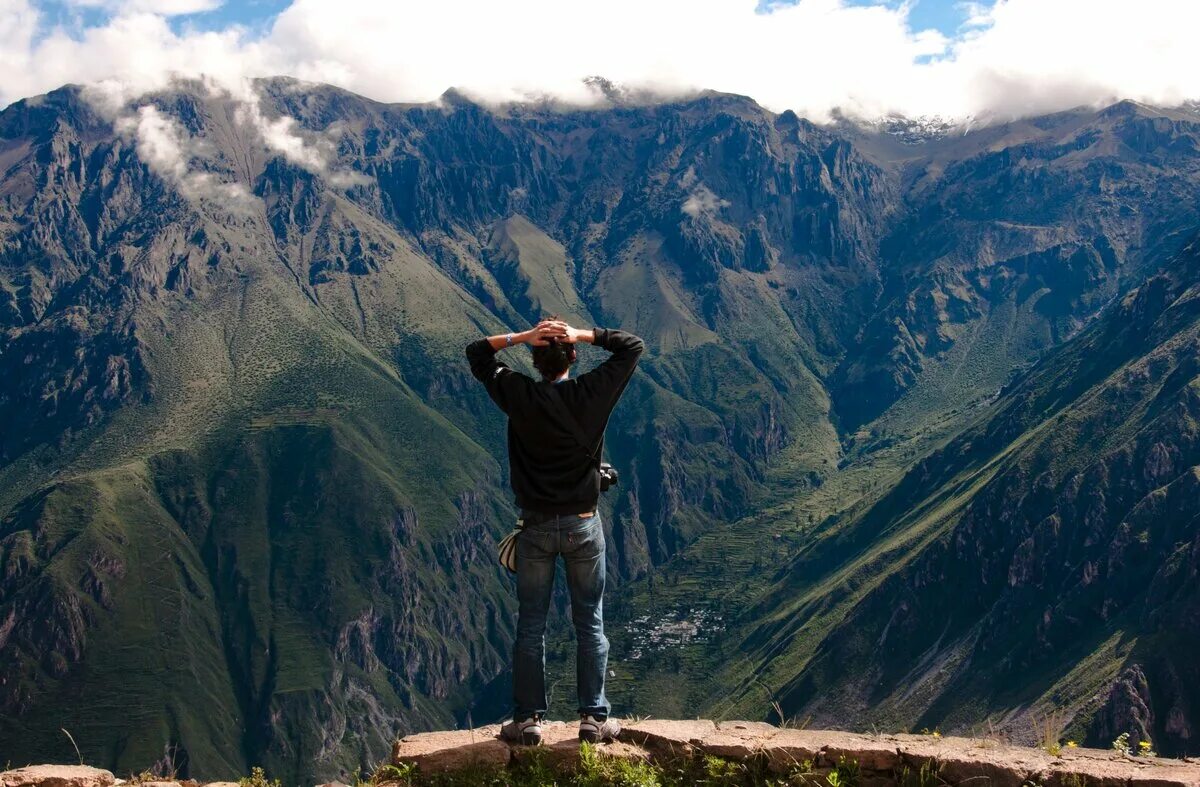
column 1015, row 57
column 167, row 149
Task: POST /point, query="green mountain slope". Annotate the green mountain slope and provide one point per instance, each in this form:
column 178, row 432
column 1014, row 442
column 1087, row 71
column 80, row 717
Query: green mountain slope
column 1063, row 533
column 257, row 521
column 1041, row 564
column 249, row 491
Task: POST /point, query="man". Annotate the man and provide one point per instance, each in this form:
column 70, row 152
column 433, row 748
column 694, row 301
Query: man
column 557, row 485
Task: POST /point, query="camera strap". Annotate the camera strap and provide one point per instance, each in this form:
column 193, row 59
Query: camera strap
column 568, row 420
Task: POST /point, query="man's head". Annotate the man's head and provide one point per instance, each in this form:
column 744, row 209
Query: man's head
column 553, row 358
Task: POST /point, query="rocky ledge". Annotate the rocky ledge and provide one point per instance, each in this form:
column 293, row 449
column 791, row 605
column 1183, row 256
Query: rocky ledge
column 878, row 760
column 822, row 758
column 86, row 776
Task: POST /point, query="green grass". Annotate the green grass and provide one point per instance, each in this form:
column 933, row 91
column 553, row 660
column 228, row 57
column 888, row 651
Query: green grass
column 597, row 769
column 258, row 778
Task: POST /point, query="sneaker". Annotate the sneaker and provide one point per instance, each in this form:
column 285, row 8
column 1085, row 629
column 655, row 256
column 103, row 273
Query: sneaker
column 594, row 730
column 527, row 732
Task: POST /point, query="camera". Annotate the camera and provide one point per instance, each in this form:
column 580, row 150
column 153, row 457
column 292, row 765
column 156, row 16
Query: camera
column 609, row 477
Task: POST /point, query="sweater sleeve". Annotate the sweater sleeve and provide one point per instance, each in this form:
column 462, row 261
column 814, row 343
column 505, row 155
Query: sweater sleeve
column 608, row 380
column 502, row 383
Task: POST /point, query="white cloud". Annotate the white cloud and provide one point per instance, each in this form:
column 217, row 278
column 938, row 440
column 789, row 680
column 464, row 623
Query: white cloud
column 18, row 25
column 167, row 149
column 1014, row 57
column 280, row 135
column 702, row 202
column 1032, row 57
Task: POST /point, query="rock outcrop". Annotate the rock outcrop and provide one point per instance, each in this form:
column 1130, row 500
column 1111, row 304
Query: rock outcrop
column 57, row 776
column 879, row 760
column 814, row 755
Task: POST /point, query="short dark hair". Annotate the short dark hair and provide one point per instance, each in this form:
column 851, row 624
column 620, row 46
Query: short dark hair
column 554, row 358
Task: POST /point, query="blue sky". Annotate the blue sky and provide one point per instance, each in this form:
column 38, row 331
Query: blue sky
column 254, row 14
column 251, row 13
column 943, row 15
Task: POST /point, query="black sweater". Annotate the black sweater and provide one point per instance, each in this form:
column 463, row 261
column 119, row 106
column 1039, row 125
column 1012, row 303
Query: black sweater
column 550, row 472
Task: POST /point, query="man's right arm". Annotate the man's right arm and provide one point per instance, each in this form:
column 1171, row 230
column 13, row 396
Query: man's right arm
column 503, row 384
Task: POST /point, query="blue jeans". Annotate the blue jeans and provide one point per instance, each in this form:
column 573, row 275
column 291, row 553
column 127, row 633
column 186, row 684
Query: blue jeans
column 581, row 544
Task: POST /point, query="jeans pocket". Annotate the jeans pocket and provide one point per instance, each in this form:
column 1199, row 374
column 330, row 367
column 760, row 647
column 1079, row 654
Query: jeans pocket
column 587, row 537
column 534, row 543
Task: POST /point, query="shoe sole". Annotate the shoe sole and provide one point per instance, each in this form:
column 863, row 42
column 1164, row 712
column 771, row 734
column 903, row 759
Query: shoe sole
column 589, row 737
column 531, row 738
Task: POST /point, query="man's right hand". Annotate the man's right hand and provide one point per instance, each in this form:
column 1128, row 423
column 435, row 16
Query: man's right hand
column 573, row 335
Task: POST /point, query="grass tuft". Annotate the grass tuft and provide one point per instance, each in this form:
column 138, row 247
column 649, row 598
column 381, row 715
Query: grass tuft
column 928, row 775
column 258, row 778
column 1049, row 733
column 1121, row 744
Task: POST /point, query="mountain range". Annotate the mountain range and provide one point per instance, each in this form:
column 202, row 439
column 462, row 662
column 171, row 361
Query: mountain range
column 914, row 443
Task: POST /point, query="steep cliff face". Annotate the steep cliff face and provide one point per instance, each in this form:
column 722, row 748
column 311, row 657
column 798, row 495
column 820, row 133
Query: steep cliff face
column 242, row 455
column 1029, row 224
column 69, row 350
column 1052, row 561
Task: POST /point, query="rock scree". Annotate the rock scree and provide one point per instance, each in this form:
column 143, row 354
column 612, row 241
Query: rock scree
column 880, row 758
